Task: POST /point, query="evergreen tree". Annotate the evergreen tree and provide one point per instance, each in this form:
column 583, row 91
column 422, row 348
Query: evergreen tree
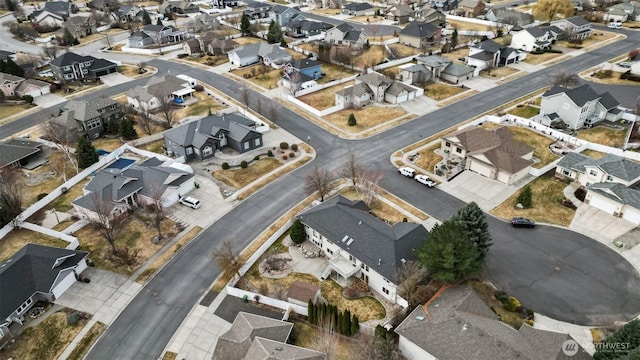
column 334, row 316
column 347, row 323
column 146, row 19
column 454, row 39
column 629, row 334
column 355, row 324
column 297, row 232
column 113, row 127
column 448, row 254
column 10, row 67
column 310, row 314
column 11, row 6
column 275, row 33
column 525, row 197
column 340, row 323
column 67, row 38
column 352, row 120
column 475, row 224
column 86, row 153
column 127, row 131
column 245, row 25
column 159, row 21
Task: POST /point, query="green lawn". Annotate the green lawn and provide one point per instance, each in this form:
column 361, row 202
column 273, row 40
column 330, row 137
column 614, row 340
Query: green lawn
column 525, row 111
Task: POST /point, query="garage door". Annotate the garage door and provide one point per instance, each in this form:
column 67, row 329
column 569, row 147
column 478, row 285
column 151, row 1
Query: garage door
column 480, row 168
column 602, row 204
column 401, row 98
column 68, row 279
column 632, row 215
column 504, row 177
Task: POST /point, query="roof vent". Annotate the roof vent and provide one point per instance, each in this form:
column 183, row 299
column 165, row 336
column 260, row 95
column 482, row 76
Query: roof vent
column 345, row 238
column 379, row 262
column 279, row 348
column 464, row 327
column 360, row 222
column 419, row 317
column 403, row 260
column 350, row 242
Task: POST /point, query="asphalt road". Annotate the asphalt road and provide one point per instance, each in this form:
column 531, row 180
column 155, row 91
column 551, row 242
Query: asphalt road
column 554, row 271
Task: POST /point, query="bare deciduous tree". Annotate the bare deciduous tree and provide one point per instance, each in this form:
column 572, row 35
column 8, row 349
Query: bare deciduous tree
column 326, row 337
column 352, row 168
column 108, row 224
column 50, row 52
column 272, row 111
column 244, row 94
column 564, row 78
column 157, row 209
column 408, row 277
column 367, row 185
column 65, row 139
column 11, row 193
column 146, row 120
column 227, row 259
column 166, row 107
column 319, row 180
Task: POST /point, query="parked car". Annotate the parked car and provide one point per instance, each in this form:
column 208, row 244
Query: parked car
column 614, row 25
column 407, row 171
column 522, row 222
column 190, row 202
column 624, row 64
column 424, row 179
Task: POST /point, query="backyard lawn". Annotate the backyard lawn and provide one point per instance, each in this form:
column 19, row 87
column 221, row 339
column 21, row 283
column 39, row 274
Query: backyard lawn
column 366, row 118
column 546, row 207
column 202, row 107
column 261, row 75
column 63, row 202
column 154, row 146
column 239, row 178
column 324, row 98
column 538, row 142
column 374, row 56
column 526, row 112
column 440, row 91
column 400, row 50
column 604, row 135
column 17, row 238
column 107, row 144
column 456, row 54
column 305, row 336
column 333, row 72
column 593, row 154
column 464, row 25
column 10, row 110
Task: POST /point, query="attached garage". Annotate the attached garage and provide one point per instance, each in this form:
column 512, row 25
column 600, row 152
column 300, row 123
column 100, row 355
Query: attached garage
column 603, row 204
column 504, row 177
column 481, row 168
column 64, row 281
column 631, row 214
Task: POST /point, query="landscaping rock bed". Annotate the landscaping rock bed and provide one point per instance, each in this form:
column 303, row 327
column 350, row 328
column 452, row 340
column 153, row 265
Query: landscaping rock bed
column 276, row 266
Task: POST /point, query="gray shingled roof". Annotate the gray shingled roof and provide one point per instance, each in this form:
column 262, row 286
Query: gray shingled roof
column 580, row 95
column 458, row 325
column 433, row 60
column 352, row 35
column 304, row 64
column 578, row 21
column 88, row 109
column 265, row 349
column 377, row 244
column 235, row 126
column 357, row 90
column 35, row 82
column 536, row 31
column 358, row 6
column 618, row 192
column 397, row 87
column 455, row 69
column 622, row 168
column 70, row 58
column 419, row 29
column 30, row 270
column 234, row 344
column 16, row 150
column 9, row 77
column 273, row 51
column 489, row 46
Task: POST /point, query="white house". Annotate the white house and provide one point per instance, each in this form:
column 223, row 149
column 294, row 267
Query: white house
column 575, row 27
column 489, row 53
column 260, row 52
column 533, row 38
column 360, row 245
column 612, row 182
column 149, row 97
column 577, row 107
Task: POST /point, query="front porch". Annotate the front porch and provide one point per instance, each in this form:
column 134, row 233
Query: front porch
column 184, row 96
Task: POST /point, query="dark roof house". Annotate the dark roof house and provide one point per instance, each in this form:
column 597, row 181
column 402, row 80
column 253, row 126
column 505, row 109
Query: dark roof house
column 16, row 152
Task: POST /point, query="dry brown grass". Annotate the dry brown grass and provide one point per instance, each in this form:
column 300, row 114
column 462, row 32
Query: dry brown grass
column 63, row 202
column 400, row 50
column 546, row 208
column 365, row 19
column 334, row 72
column 259, row 74
column 154, row 146
column 463, row 25
column 282, row 170
column 342, row 349
column 378, row 207
column 454, row 99
column 593, row 154
column 107, row 144
column 46, row 340
column 324, row 98
column 375, row 55
column 498, row 73
column 168, row 254
column 538, row 142
column 440, row 91
column 128, row 70
column 242, row 41
column 136, row 234
column 366, row 118
column 454, row 55
column 202, row 107
column 595, row 39
column 525, row 111
column 487, row 293
column 239, row 178
column 18, row 238
column 604, row 135
column 89, row 338
column 536, row 59
column 169, row 355
column 614, row 79
column 30, row 195
column 10, row 110
column 428, row 158
column 326, row 11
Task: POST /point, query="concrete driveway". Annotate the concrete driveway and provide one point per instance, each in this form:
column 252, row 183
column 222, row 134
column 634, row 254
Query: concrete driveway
column 48, row 100
column 420, row 105
column 487, row 193
column 114, row 79
column 213, row 205
column 599, row 225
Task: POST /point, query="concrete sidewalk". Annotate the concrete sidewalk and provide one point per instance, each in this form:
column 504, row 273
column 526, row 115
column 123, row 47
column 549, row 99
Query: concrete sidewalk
column 581, row 334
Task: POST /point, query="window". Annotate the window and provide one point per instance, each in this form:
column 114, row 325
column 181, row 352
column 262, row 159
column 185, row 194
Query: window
column 100, row 111
column 330, row 251
column 566, row 172
column 565, row 106
column 459, row 151
column 246, row 145
column 84, row 71
column 593, row 173
column 113, row 107
column 447, row 144
column 66, row 68
column 92, row 124
column 258, row 141
column 385, row 290
column 87, row 63
column 68, row 76
column 189, row 150
column 609, row 178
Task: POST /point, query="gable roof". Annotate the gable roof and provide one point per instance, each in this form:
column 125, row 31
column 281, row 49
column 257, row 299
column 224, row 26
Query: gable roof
column 583, row 94
column 374, row 79
column 302, row 291
column 622, row 168
column 266, row 349
column 309, row 25
column 88, row 109
column 469, row 3
column 618, row 192
column 273, row 51
column 433, row 60
column 302, row 64
column 420, row 29
column 576, row 20
column 157, row 86
column 235, row 343
column 9, row 77
column 358, row 6
column 33, row 268
column 489, row 46
column 455, row 69
column 70, row 58
column 458, row 325
column 17, row 149
column 235, row 126
column 507, row 14
column 358, row 90
column 381, row 246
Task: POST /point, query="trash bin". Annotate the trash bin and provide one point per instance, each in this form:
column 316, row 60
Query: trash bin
column 245, row 298
column 90, row 263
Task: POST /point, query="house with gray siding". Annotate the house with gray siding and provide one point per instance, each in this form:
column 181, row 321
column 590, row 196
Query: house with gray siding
column 261, row 52
column 345, row 34
column 574, row 27
column 73, row 67
column 200, row 139
column 283, row 15
column 89, row 117
column 578, row 107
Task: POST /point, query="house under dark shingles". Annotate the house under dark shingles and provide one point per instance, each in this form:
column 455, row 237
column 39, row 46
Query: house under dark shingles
column 73, row 67
column 59, row 8
column 89, row 117
column 16, row 152
column 200, row 139
column 458, row 325
column 300, row 28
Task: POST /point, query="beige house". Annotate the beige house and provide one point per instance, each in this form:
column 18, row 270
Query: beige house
column 470, row 8
column 9, row 83
column 612, row 183
column 491, row 153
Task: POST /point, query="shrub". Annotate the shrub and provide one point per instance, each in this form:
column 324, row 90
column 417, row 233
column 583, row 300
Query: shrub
column 256, row 158
column 294, row 147
column 270, row 153
column 73, row 318
column 243, row 164
column 28, row 99
column 297, row 232
column 284, row 146
column 292, row 155
column 41, row 196
column 225, row 166
column 182, row 56
column 285, row 157
column 501, row 296
column 198, row 88
column 512, row 304
column 352, row 120
column 525, row 197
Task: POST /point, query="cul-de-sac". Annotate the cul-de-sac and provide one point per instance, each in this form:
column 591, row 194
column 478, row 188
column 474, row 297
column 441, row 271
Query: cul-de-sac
column 320, row 179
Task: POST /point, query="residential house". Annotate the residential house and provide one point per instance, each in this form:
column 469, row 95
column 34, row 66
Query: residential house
column 489, row 53
column 52, row 13
column 200, row 23
column 534, row 38
column 257, row 9
column 457, row 324
column 309, row 67
column 9, row 83
column 470, row 8
column 306, row 28
column 283, row 15
column 301, row 292
column 361, row 245
column 178, row 7
column 399, row 13
column 33, row 87
column 345, row 34
column 377, row 88
column 420, row 34
column 493, row 154
column 625, row 11
column 79, row 26
column 156, row 34
column 260, row 338
column 200, row 139
column 221, row 4
column 129, row 13
column 192, row 47
column 4, row 55
column 260, row 52
column 216, row 46
column 509, row 16
column 301, row 74
column 432, row 67
column 574, row 27
column 430, row 15
column 356, row 96
column 577, row 107
column 358, row 9
column 158, row 91
column 73, row 67
column 103, row 5
column 443, row 5
column 612, row 182
column 34, row 273
column 18, row 151
column 114, row 190
column 89, row 117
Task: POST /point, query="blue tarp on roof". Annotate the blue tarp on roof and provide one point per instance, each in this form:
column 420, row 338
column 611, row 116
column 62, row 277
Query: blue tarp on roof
column 121, row 164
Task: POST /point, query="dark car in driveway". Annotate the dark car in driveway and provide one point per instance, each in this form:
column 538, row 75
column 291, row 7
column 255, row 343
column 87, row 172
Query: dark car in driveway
column 522, row 222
